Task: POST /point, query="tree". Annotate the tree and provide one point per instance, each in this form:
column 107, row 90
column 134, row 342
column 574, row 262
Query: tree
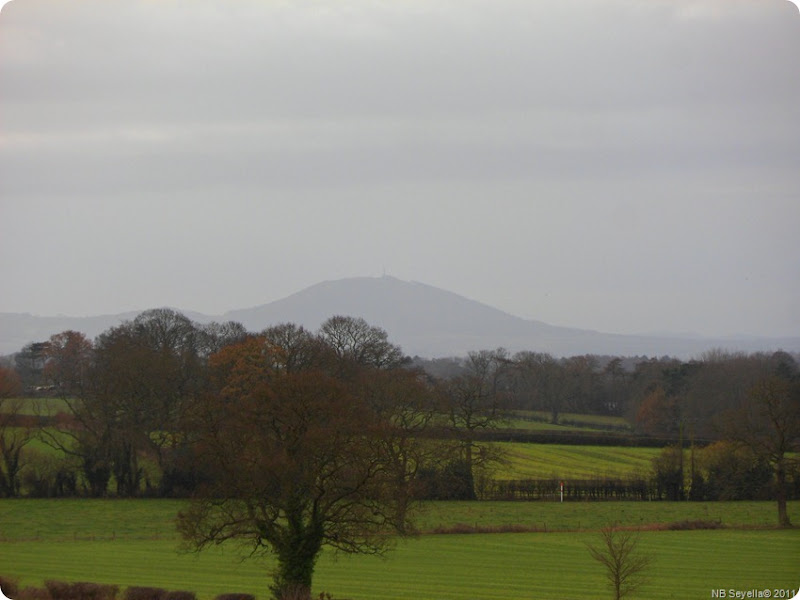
column 618, row 552
column 474, row 402
column 544, row 380
column 68, row 359
column 30, row 363
column 214, row 336
column 659, row 414
column 355, row 340
column 769, row 425
column 668, row 473
column 127, row 395
column 13, row 436
column 301, row 349
column 296, row 462
column 733, row 472
column 404, row 401
column 10, row 384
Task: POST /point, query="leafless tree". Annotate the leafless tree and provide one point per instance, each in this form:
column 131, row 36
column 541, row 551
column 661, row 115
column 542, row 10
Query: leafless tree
column 474, row 402
column 618, row 551
column 768, row 423
column 355, row 340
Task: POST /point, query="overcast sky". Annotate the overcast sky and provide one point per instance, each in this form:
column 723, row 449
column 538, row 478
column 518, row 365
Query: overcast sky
column 620, row 165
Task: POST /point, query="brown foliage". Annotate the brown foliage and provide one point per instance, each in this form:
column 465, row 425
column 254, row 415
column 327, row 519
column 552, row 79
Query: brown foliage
column 145, row 593
column 294, row 459
column 10, row 384
column 61, row 590
column 9, row 586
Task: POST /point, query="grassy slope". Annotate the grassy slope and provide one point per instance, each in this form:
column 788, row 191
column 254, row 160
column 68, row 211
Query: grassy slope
column 577, row 462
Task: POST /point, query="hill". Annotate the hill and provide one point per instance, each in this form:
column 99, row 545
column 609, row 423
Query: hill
column 424, row 320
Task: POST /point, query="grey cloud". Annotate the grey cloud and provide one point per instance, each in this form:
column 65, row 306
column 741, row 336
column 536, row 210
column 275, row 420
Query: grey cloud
column 413, row 102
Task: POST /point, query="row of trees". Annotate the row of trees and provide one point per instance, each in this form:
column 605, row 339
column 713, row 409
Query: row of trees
column 291, row 440
column 287, row 439
column 663, row 397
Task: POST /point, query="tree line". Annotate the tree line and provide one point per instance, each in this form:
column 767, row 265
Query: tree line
column 292, row 440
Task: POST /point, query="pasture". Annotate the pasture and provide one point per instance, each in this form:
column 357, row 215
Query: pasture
column 133, row 542
column 559, row 461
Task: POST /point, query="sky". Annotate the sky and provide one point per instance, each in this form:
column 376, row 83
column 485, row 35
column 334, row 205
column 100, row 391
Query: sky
column 629, row 166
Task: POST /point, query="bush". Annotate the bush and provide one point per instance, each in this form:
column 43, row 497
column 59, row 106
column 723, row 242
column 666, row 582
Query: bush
column 452, row 482
column 668, row 473
column 735, row 473
column 180, row 595
column 235, row 597
column 61, row 590
column 32, row 593
column 690, row 525
column 9, row 586
column 145, row 593
column 47, row 476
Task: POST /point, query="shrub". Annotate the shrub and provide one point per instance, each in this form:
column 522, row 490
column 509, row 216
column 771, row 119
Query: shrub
column 735, row 473
column 668, row 473
column 47, row 476
column 9, row 586
column 235, row 597
column 180, row 595
column 95, row 591
column 32, row 593
column 699, row 524
column 61, row 590
column 145, row 593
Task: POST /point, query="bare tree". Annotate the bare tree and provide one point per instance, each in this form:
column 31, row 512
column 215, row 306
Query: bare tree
column 474, row 402
column 769, row 424
column 355, row 340
column 544, row 379
column 404, row 401
column 68, row 359
column 13, row 437
column 618, row 551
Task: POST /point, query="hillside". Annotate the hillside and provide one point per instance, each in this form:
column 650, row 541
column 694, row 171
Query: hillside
column 425, row 320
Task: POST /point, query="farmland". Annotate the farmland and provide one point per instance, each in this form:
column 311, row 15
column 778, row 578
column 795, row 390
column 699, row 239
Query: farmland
column 562, row 461
column 298, row 444
column 133, row 542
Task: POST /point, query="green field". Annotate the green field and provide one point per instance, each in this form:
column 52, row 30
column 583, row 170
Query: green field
column 459, row 567
column 568, row 421
column 35, row 406
column 560, row 461
column 133, row 542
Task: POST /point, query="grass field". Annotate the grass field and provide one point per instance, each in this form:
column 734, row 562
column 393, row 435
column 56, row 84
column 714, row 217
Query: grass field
column 61, row 520
column 489, row 566
column 36, row 406
column 571, row 420
column 573, row 462
column 133, row 542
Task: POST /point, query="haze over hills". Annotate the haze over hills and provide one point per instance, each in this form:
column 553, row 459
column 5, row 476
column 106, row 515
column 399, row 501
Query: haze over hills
column 424, row 320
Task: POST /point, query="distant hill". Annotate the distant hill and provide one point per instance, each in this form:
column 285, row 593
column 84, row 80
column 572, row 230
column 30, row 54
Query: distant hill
column 424, row 320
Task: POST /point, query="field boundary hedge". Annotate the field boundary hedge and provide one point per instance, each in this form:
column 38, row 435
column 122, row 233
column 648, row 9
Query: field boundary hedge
column 571, row 438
